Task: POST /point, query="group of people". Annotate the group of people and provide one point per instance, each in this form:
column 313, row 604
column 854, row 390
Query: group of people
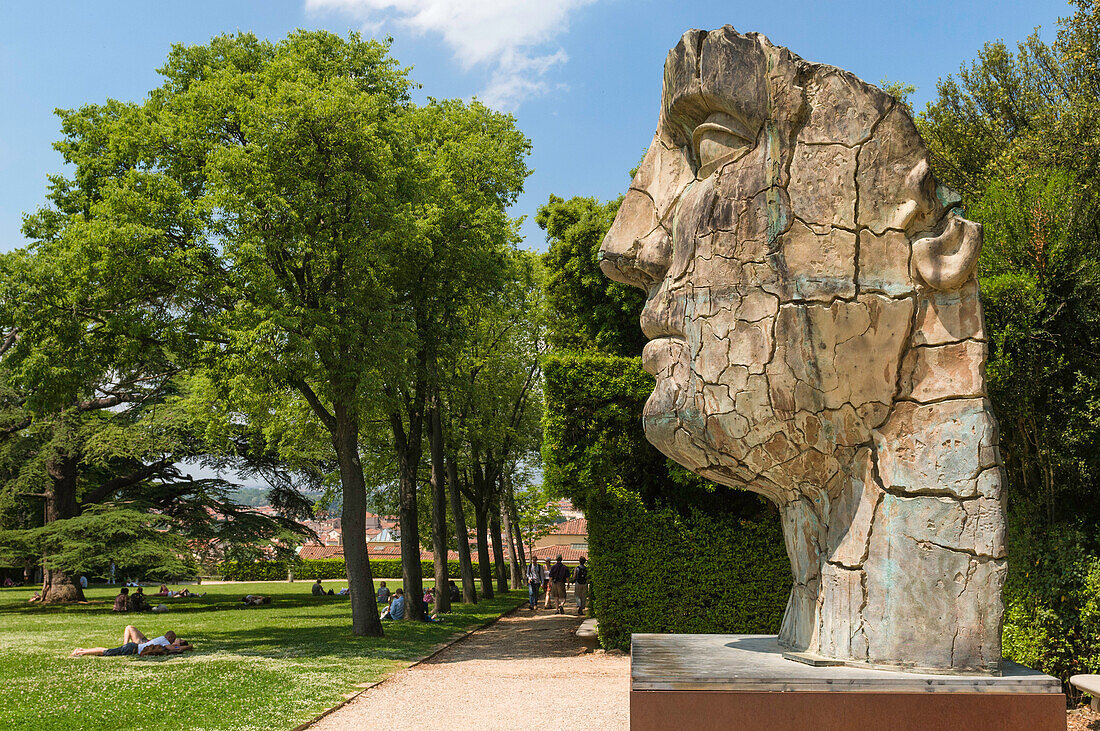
column 396, row 607
column 125, row 602
column 137, row 602
column 136, row 643
column 552, row 580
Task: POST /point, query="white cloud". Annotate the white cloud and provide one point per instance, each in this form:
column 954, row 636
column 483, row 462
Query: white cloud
column 511, row 37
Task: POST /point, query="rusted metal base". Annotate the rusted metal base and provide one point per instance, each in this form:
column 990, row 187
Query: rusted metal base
column 653, row 710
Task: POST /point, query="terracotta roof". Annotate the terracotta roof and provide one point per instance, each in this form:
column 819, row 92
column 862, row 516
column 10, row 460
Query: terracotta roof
column 575, row 527
column 316, row 552
column 568, row 555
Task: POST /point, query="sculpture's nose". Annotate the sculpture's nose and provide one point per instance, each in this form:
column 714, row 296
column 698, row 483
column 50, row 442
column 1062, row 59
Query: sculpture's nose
column 637, row 249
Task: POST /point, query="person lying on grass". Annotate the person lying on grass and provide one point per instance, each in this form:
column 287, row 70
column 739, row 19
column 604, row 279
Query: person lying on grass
column 135, row 643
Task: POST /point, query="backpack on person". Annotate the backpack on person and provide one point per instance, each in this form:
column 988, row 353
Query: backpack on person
column 580, row 575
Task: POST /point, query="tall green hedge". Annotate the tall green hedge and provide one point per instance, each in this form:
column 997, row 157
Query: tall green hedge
column 328, row 568
column 669, row 551
column 663, row 571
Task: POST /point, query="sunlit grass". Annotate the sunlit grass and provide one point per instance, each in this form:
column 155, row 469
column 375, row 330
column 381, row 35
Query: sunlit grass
column 267, row 667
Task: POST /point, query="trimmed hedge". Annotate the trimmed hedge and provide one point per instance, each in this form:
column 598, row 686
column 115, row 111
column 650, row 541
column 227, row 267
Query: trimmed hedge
column 661, row 571
column 668, row 550
column 328, row 568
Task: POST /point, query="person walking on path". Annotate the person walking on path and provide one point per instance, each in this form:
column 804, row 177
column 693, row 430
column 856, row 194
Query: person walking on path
column 546, row 584
column 580, row 585
column 559, row 575
column 535, row 577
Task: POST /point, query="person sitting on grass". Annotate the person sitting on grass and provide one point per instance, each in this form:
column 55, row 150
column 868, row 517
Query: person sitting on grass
column 137, row 601
column 122, row 601
column 163, row 590
column 455, row 596
column 383, row 593
column 317, row 589
column 136, row 643
column 396, row 609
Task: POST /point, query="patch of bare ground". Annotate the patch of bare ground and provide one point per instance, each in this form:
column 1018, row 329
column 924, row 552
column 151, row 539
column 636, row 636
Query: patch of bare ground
column 1082, row 719
column 526, row 670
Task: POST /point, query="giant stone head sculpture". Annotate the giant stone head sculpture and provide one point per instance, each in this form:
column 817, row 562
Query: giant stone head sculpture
column 816, row 337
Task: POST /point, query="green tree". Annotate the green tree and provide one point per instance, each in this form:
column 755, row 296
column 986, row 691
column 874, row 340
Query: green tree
column 492, row 396
column 267, row 189
column 537, row 514
column 586, row 310
column 471, row 165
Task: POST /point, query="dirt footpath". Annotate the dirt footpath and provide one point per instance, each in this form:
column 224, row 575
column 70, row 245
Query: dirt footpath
column 523, row 671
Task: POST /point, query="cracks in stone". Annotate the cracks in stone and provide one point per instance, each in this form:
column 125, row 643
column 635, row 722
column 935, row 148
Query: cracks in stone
column 940, row 400
column 905, row 492
column 960, row 341
column 855, row 213
column 862, row 618
column 702, row 36
column 907, row 342
column 974, row 555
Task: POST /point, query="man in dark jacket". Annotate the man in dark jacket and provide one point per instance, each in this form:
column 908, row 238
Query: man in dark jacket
column 580, row 585
column 558, row 576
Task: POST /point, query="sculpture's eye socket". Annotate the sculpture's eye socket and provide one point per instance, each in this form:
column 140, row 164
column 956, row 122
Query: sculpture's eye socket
column 718, row 141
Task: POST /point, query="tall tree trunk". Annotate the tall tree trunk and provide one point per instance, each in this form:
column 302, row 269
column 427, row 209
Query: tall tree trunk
column 439, row 507
column 63, row 469
column 353, row 520
column 408, row 447
column 498, row 547
column 517, row 529
column 510, row 541
column 412, row 572
column 481, row 514
column 462, row 535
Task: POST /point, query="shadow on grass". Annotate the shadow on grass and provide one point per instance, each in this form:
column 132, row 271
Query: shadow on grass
column 282, row 637
column 175, row 606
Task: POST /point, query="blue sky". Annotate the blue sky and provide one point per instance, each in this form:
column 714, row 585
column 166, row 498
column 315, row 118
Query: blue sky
column 582, row 76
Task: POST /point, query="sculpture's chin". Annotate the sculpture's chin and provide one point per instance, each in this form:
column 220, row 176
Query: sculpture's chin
column 659, row 419
column 673, row 427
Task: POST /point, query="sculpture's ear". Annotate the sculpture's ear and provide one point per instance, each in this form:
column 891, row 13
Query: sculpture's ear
column 946, row 261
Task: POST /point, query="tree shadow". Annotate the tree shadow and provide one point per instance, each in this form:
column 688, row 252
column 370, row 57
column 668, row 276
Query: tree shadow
column 544, row 635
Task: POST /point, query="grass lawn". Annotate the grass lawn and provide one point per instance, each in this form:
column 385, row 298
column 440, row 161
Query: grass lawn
column 269, row 667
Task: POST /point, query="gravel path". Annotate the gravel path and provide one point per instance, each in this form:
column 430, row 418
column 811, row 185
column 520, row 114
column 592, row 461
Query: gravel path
column 502, row 677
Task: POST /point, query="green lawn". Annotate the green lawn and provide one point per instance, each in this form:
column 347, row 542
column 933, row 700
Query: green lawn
column 267, row 667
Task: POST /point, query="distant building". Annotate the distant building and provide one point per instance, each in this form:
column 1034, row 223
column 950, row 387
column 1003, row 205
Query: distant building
column 570, row 534
column 565, row 507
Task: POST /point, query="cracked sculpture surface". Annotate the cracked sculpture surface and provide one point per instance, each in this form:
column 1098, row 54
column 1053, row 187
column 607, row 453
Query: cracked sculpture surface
column 816, row 336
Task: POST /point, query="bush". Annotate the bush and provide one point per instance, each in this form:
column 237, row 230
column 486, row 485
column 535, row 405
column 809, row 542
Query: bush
column 328, row 568
column 660, row 571
column 669, row 551
column 1052, row 607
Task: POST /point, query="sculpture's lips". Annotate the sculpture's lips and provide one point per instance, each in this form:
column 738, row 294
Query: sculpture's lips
column 659, row 355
